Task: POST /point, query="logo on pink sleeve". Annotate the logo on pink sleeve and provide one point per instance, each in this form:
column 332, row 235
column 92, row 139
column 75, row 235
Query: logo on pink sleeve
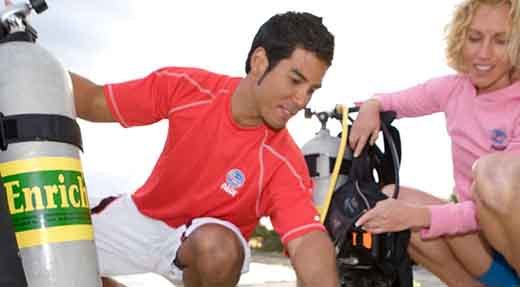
column 498, row 139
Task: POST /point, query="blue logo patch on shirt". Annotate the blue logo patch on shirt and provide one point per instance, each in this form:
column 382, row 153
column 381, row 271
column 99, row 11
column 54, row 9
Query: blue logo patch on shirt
column 498, row 139
column 235, row 178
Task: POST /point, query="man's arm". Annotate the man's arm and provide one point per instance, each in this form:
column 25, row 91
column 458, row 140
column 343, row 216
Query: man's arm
column 314, row 260
column 90, row 101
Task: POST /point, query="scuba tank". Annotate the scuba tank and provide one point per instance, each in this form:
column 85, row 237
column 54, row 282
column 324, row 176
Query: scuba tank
column 40, row 166
column 320, row 155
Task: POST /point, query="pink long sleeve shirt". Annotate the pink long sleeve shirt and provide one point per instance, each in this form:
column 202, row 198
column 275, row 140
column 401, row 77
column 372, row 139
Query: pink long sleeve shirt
column 477, row 125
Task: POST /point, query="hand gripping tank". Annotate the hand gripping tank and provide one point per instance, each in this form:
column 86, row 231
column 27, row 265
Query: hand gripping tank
column 42, row 179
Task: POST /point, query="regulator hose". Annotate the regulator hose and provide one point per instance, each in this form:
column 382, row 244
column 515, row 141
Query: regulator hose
column 339, row 159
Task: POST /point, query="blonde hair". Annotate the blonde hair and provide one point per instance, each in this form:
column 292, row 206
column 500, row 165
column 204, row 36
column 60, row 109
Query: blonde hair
column 456, row 31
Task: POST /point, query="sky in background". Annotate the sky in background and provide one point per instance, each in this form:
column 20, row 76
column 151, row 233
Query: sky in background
column 381, row 46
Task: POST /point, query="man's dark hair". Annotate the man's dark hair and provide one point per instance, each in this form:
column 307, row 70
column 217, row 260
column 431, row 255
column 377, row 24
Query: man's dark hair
column 283, row 33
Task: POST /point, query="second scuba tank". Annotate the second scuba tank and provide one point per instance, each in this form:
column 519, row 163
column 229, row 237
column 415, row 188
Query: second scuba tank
column 320, row 154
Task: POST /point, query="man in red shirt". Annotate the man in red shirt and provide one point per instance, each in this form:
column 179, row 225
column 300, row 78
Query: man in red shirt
column 228, row 161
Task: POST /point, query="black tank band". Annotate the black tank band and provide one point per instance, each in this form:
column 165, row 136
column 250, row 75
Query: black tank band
column 38, row 127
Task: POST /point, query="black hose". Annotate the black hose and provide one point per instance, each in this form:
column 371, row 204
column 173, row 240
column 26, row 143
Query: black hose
column 395, row 157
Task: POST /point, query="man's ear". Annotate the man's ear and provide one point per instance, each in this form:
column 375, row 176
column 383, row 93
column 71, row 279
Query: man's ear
column 259, row 63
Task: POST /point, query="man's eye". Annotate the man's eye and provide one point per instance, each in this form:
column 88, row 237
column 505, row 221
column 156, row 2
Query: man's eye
column 295, row 81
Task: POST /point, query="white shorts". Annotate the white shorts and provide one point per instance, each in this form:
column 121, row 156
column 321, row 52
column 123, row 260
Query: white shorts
column 129, row 242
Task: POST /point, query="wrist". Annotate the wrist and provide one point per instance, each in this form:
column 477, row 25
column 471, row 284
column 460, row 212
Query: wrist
column 422, row 216
column 373, row 104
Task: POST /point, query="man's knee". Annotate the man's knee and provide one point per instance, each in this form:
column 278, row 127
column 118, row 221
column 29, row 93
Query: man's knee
column 497, row 181
column 215, row 252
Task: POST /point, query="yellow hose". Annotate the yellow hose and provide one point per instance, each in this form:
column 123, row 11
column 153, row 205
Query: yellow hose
column 339, row 159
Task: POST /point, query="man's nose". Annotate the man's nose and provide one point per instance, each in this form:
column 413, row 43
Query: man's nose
column 301, row 98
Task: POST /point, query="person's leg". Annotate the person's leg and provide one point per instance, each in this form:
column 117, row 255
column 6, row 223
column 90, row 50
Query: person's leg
column 212, row 255
column 127, row 242
column 437, row 256
column 100, row 204
column 444, row 256
column 472, row 251
column 497, row 195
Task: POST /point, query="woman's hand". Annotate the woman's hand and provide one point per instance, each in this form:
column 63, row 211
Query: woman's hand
column 391, row 215
column 366, row 126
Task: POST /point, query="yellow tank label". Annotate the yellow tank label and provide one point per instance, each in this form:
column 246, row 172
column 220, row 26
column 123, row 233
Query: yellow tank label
column 47, row 199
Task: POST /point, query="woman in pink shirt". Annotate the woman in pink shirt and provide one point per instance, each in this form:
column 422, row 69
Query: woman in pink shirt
column 472, row 241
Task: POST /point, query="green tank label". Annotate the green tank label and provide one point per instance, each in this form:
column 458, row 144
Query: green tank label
column 48, row 200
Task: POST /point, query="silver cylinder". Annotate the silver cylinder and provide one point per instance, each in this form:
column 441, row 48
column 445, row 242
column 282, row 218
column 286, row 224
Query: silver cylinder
column 43, row 180
column 324, row 147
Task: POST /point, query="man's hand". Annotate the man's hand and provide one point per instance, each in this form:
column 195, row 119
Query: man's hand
column 314, row 260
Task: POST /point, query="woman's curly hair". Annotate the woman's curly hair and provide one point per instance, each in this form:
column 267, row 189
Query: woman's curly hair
column 457, row 30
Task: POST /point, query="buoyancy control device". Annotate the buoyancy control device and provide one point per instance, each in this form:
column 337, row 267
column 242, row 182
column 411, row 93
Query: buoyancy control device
column 43, row 191
column 344, row 189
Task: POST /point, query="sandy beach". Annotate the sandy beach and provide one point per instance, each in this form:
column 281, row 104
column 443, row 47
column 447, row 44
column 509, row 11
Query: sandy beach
column 266, row 270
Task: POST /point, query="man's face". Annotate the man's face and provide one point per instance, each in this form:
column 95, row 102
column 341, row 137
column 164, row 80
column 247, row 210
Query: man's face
column 288, row 87
column 485, row 48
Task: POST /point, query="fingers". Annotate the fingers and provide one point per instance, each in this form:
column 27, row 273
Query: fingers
column 352, row 139
column 369, row 223
column 373, row 220
column 360, row 144
column 373, row 136
column 354, row 136
column 365, row 128
column 375, row 229
column 357, row 143
column 357, row 139
column 368, row 216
